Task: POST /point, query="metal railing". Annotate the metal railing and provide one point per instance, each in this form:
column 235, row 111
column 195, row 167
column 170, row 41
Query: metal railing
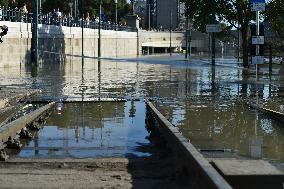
column 18, row 15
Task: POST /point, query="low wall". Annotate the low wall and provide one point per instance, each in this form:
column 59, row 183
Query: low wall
column 55, row 40
column 195, row 164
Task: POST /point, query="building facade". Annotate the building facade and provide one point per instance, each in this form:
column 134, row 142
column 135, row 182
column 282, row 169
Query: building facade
column 170, row 14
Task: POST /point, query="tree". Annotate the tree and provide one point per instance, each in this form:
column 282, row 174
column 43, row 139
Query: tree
column 274, row 14
column 91, row 7
column 234, row 13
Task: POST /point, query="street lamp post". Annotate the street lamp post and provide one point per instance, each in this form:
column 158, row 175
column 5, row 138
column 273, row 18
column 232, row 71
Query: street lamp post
column 99, row 41
column 213, row 36
column 186, row 38
column 115, row 1
column 71, row 14
column 171, row 25
column 34, row 47
column 82, row 24
column 71, row 5
column 149, row 16
column 75, row 7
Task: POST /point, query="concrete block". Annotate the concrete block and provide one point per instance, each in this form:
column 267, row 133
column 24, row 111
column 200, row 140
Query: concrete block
column 250, row 174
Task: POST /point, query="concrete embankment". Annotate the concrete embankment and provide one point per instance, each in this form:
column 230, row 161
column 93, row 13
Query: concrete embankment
column 204, row 175
column 55, row 42
column 220, row 172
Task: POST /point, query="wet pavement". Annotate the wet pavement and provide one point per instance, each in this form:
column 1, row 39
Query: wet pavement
column 208, row 104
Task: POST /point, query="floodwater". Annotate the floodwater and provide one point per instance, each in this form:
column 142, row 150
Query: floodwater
column 88, row 130
column 208, row 104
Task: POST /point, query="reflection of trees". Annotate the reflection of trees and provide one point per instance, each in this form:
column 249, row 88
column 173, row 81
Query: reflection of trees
column 230, row 127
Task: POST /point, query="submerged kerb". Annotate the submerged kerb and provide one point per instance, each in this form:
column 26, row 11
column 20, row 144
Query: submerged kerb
column 194, row 162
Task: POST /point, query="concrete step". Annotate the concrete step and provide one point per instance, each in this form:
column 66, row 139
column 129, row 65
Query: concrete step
column 249, row 174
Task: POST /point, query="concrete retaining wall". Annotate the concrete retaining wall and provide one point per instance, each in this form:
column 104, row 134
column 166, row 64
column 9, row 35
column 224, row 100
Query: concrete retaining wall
column 191, row 159
column 66, row 40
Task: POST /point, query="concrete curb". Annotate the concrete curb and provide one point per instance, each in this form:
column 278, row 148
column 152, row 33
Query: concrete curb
column 193, row 161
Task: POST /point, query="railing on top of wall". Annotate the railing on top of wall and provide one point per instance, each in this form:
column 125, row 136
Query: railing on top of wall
column 18, row 15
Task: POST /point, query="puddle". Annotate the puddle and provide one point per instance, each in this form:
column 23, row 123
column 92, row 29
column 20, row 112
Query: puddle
column 87, row 130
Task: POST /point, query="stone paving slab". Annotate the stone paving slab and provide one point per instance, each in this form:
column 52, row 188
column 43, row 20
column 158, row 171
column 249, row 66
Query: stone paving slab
column 245, row 167
column 250, row 174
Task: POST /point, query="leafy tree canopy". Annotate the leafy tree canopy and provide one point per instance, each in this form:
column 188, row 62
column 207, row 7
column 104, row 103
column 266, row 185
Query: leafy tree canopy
column 275, row 15
column 89, row 6
column 232, row 13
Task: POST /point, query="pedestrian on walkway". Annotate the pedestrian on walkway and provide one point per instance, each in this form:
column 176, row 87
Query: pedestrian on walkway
column 4, row 31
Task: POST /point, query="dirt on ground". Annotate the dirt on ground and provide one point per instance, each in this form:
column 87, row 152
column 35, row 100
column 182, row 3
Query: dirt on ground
column 10, row 95
column 132, row 172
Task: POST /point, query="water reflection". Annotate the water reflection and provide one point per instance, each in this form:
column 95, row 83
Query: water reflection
column 220, row 124
column 207, row 103
column 91, row 130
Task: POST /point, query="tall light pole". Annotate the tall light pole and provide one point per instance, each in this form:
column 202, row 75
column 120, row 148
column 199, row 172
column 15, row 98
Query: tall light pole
column 149, row 16
column 34, row 47
column 213, row 36
column 186, row 37
column 171, row 25
column 82, row 24
column 76, row 7
column 71, row 5
column 115, row 1
column 99, row 41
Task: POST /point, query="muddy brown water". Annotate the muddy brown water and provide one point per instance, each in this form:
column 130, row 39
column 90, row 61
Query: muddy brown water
column 207, row 103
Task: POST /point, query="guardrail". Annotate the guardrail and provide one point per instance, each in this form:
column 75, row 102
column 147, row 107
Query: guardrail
column 195, row 164
column 18, row 15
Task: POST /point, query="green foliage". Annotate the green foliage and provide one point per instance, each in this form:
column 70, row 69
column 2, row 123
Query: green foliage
column 232, row 13
column 90, row 6
column 4, row 3
column 275, row 15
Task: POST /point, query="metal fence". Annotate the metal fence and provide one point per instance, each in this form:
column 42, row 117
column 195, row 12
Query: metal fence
column 18, row 15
